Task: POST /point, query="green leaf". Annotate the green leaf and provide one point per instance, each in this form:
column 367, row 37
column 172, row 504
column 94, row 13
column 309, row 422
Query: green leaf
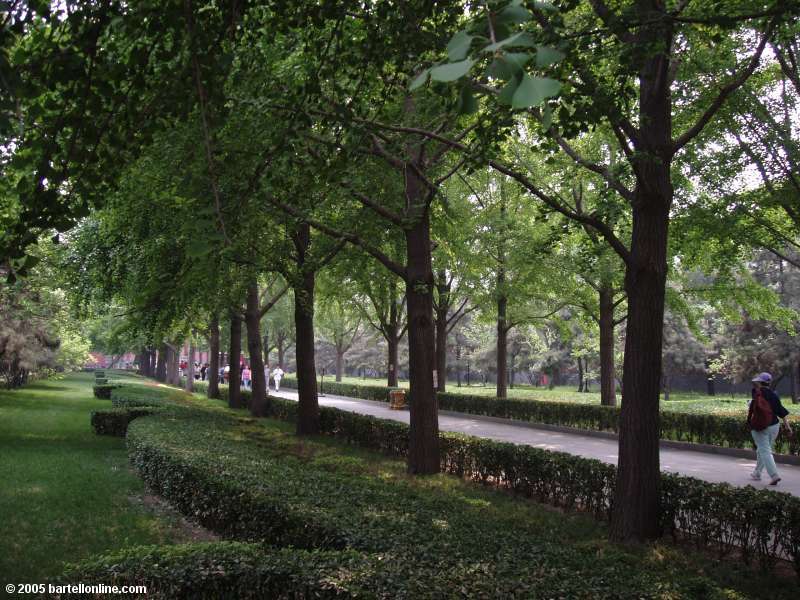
column 467, row 103
column 532, row 91
column 514, row 13
column 519, row 40
column 508, row 91
column 451, row 71
column 419, row 80
column 197, row 248
column 547, row 117
column 458, row 47
column 543, row 6
column 548, row 56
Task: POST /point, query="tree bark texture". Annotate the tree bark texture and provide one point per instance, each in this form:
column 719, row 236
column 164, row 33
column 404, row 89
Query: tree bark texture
column 161, row 364
column 502, row 343
column 189, row 386
column 308, row 402
column 423, row 455
column 636, row 511
column 234, row 358
column 608, row 393
column 213, row 362
column 259, row 403
column 339, row 363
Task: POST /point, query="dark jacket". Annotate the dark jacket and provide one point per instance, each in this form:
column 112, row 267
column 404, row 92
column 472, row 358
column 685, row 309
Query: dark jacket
column 778, row 410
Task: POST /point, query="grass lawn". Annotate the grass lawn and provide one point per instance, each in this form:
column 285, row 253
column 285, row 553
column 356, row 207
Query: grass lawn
column 65, row 493
column 679, row 401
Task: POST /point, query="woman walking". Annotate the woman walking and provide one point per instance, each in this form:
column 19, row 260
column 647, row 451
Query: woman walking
column 763, row 417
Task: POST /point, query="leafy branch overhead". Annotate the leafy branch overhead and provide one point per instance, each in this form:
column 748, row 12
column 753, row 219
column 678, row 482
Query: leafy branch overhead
column 495, row 52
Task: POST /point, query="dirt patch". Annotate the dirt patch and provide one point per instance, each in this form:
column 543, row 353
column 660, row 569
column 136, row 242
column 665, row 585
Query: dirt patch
column 181, row 527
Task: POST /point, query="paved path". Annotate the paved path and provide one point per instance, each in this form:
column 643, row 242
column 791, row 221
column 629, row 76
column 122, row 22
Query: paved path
column 710, row 467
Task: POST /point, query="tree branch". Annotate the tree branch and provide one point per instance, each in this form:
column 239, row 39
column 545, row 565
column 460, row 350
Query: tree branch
column 725, row 92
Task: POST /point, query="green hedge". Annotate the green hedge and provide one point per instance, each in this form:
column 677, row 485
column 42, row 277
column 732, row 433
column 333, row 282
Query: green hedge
column 127, row 396
column 103, row 391
column 427, row 541
column 731, row 432
column 379, row 393
column 214, row 570
column 116, row 420
column 716, row 430
column 272, row 504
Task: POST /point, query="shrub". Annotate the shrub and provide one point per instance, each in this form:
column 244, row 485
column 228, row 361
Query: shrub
column 98, row 374
column 115, row 421
column 223, row 570
column 379, row 393
column 103, row 391
column 381, row 536
column 232, row 491
column 715, row 430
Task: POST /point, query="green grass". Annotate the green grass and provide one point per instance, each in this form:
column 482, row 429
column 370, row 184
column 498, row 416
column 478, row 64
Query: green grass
column 679, row 401
column 65, row 493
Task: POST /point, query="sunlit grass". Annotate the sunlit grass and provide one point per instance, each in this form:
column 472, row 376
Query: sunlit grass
column 64, row 491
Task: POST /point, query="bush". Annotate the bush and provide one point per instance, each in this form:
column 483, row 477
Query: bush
column 223, row 570
column 98, row 374
column 379, row 393
column 715, row 430
column 103, row 391
column 232, row 491
column 115, row 421
column 381, row 536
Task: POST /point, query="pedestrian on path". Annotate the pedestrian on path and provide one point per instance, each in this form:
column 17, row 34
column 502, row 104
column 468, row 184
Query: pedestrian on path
column 764, row 415
column 277, row 374
column 246, row 377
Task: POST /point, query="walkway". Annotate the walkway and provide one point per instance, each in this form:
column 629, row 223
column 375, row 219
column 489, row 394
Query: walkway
column 709, row 467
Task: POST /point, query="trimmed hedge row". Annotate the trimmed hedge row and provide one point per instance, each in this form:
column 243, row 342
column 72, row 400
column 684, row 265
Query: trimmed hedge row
column 761, row 525
column 379, row 393
column 394, row 539
column 116, row 420
column 213, row 570
column 715, row 430
column 103, row 391
column 731, row 432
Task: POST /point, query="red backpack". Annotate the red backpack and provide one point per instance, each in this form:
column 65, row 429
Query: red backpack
column 760, row 415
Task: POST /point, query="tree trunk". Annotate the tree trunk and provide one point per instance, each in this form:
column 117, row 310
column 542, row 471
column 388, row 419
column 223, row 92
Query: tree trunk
column 189, row 386
column 265, row 346
column 608, row 394
column 259, row 403
column 281, row 351
column 339, row 363
column 441, row 309
column 441, row 349
column 308, row 402
column 143, row 359
column 635, row 517
column 423, row 456
column 580, row 374
column 234, row 358
column 792, row 384
column 161, row 364
column 173, row 366
column 710, row 388
column 393, row 344
column 213, row 359
column 502, row 342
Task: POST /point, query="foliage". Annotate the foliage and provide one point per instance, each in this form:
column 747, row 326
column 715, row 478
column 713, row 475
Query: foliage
column 115, row 421
column 201, row 461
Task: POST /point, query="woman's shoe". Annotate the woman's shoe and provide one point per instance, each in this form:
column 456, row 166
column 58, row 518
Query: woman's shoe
column 755, row 476
column 775, row 481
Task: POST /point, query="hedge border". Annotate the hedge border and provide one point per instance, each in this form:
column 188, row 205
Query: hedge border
column 761, row 525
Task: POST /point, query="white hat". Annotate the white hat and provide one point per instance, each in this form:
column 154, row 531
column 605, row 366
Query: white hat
column 762, row 378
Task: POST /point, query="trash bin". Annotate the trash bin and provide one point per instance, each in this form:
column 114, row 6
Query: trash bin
column 397, row 399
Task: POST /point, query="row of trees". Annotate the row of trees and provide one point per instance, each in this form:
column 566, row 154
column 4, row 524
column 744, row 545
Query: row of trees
column 237, row 149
